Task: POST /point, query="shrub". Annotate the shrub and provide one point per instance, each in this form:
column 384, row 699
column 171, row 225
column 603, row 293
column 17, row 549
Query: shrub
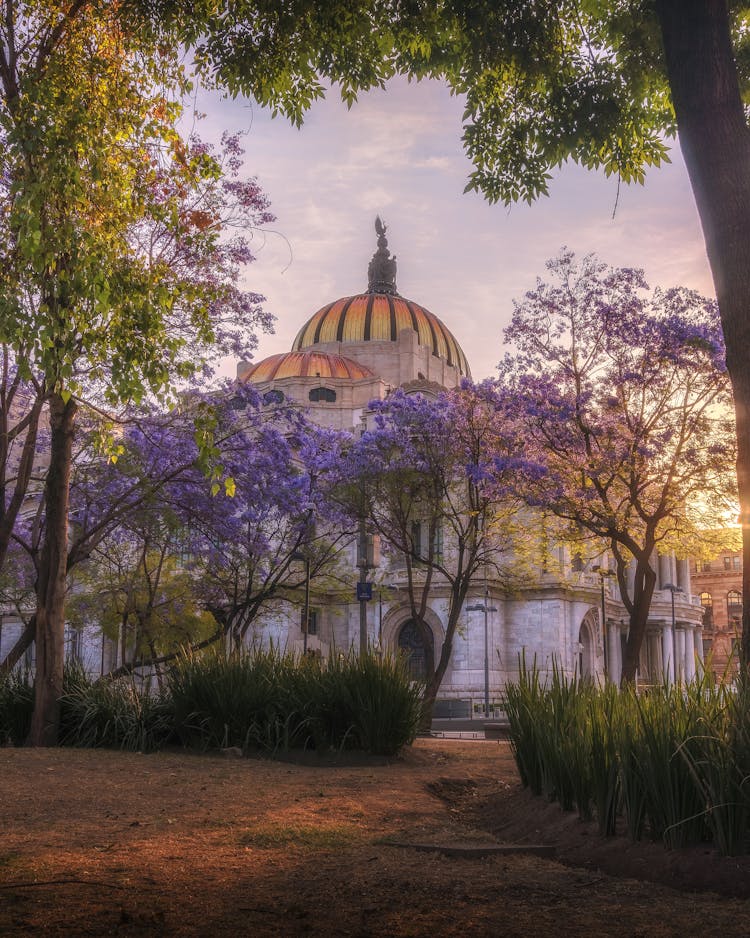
column 16, row 707
column 246, row 699
column 117, row 715
column 366, row 702
column 674, row 761
column 268, row 700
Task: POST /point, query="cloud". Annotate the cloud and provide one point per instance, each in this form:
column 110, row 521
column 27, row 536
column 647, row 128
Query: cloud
column 398, row 153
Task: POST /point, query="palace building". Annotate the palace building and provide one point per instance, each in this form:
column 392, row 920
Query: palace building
column 359, row 348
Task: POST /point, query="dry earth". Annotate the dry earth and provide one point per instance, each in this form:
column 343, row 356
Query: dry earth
column 98, row 843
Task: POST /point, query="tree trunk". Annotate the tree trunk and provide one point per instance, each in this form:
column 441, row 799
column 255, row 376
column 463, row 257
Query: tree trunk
column 435, row 679
column 23, row 478
column 715, row 143
column 643, row 593
column 25, row 641
column 50, row 610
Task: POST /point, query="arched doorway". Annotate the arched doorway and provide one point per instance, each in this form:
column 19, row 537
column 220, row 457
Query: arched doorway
column 414, row 648
column 585, row 651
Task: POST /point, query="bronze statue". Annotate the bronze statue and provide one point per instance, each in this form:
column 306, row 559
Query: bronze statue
column 381, row 273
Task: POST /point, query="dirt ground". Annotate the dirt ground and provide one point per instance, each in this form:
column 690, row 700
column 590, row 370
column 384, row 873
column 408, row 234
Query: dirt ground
column 106, row 843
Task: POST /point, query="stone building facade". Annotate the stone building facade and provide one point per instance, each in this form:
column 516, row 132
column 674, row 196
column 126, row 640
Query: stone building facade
column 718, row 584
column 359, row 348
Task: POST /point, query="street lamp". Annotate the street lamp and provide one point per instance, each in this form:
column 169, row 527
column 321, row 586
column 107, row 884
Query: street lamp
column 305, row 558
column 483, row 607
column 672, row 590
column 603, row 575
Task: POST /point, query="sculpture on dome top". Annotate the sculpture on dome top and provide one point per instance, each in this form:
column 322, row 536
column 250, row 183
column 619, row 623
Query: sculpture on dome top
column 381, row 274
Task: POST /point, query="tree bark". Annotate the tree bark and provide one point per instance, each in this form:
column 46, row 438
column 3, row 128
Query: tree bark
column 24, row 642
column 50, row 610
column 643, row 592
column 715, row 143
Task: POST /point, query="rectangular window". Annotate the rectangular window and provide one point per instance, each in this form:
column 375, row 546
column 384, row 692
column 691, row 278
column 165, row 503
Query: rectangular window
column 437, row 543
column 727, row 563
column 313, row 621
column 74, row 641
column 736, row 563
column 706, row 566
column 416, row 539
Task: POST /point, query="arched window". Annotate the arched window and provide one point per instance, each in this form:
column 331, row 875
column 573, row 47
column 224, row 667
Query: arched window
column 413, row 646
column 585, row 652
column 708, row 610
column 734, row 604
column 274, row 396
column 322, row 394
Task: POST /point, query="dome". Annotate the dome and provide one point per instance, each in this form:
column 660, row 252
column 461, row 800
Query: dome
column 380, row 314
column 380, row 317
column 306, row 365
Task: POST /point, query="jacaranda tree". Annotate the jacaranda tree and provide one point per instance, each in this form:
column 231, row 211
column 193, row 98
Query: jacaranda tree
column 622, row 399
column 430, row 477
column 604, row 84
column 154, row 518
column 107, row 224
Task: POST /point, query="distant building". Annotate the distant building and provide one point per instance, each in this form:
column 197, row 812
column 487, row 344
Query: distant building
column 718, row 583
column 361, row 347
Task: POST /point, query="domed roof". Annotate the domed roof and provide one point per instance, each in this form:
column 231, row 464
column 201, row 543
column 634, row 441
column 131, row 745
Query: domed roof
column 380, row 317
column 306, row 365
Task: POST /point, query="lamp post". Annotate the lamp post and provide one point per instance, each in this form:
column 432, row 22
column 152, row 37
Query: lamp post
column 306, row 608
column 603, row 575
column 483, row 607
column 672, row 590
column 362, row 587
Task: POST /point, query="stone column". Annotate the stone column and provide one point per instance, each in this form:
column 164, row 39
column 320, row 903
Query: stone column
column 689, row 654
column 699, row 645
column 668, row 652
column 683, row 576
column 679, row 655
column 630, row 576
column 613, row 652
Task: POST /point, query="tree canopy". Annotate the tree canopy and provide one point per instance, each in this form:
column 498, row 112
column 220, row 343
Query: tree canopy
column 429, row 478
column 623, row 401
column 602, row 83
column 115, row 276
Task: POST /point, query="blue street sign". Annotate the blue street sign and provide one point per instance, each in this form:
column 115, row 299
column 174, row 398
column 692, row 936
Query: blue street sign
column 364, row 591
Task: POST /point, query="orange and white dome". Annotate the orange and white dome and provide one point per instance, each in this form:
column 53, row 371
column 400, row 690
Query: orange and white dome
column 380, row 317
column 306, row 365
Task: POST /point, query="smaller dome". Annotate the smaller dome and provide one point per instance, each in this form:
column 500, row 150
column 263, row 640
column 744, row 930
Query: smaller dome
column 306, row 365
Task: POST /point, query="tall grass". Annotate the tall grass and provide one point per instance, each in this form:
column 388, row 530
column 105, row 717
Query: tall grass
column 365, row 702
column 674, row 763
column 16, row 707
column 259, row 700
column 114, row 715
column 273, row 701
column 247, row 700
column 92, row 713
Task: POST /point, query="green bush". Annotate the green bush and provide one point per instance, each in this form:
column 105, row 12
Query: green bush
column 268, row 700
column 366, row 702
column 675, row 761
column 248, row 700
column 115, row 715
column 16, row 707
column 262, row 700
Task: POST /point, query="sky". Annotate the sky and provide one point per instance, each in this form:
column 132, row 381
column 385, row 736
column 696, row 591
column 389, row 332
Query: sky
column 397, row 153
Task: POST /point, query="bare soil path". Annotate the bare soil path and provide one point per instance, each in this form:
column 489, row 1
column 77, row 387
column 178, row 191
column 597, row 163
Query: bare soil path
column 106, row 843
